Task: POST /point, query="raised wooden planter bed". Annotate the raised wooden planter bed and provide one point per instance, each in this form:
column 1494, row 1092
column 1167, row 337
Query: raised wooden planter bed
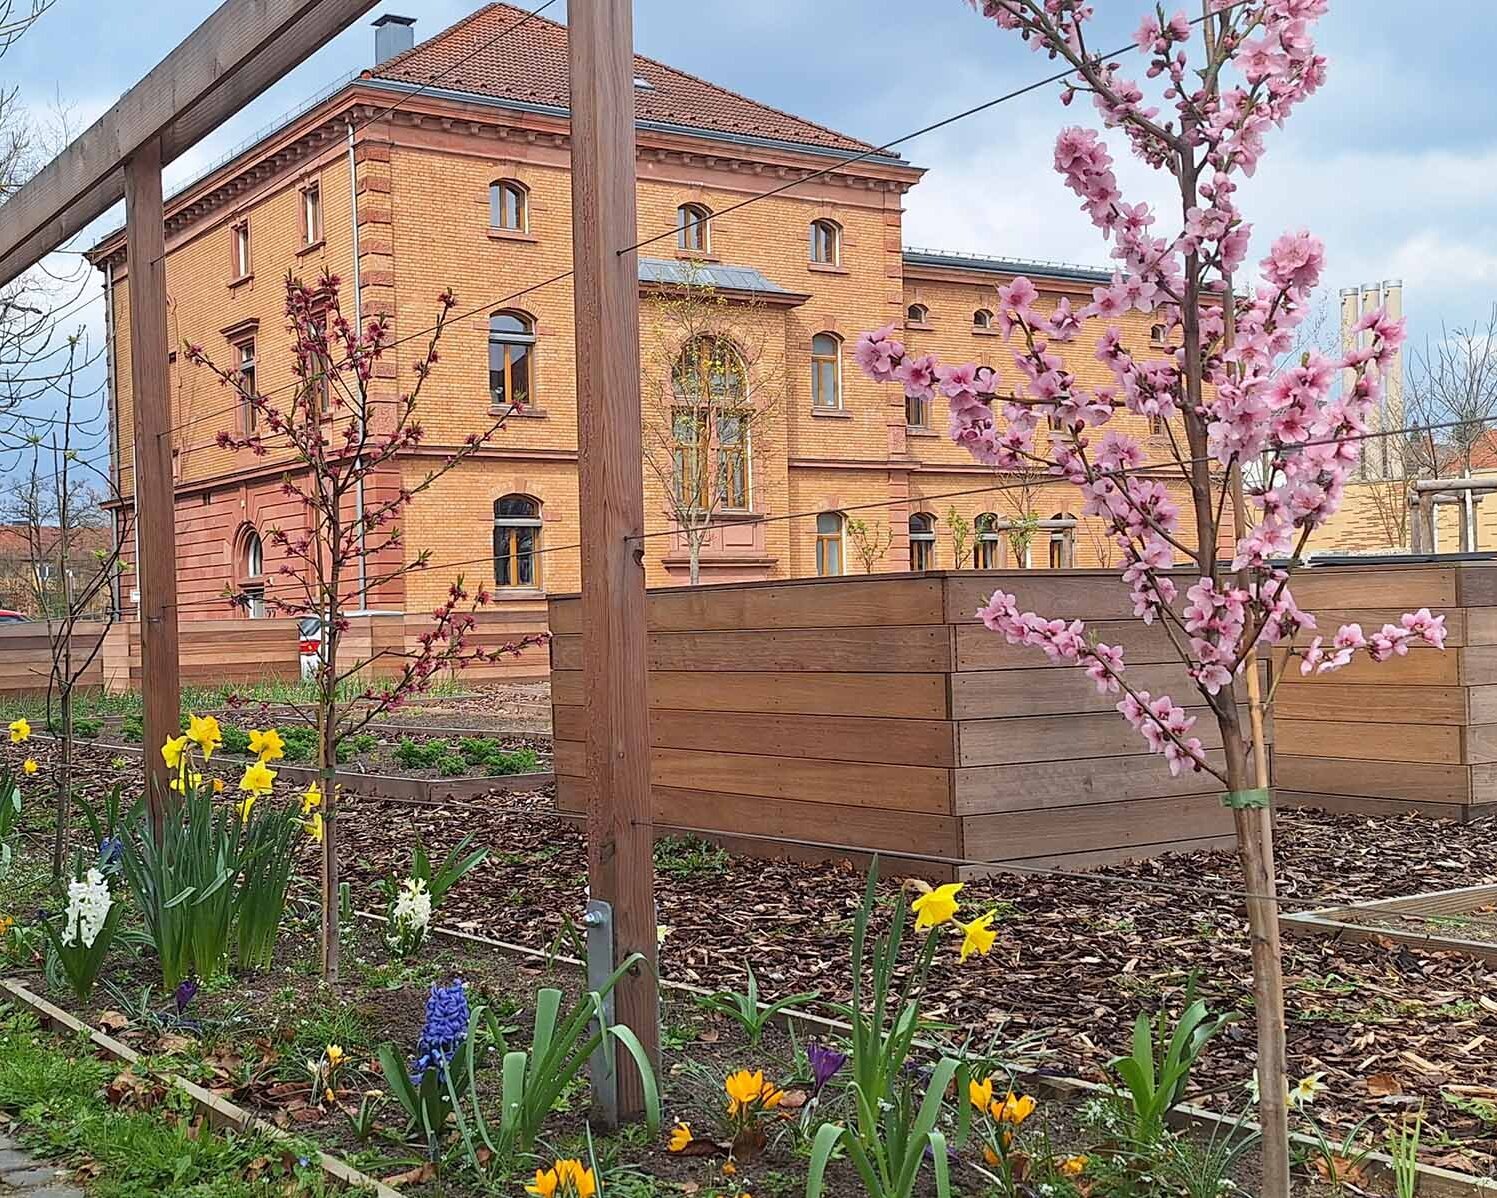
column 878, row 713
column 1413, row 734
column 1455, row 921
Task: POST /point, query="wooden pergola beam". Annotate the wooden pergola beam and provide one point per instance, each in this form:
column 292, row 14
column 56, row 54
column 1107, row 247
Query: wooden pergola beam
column 242, row 48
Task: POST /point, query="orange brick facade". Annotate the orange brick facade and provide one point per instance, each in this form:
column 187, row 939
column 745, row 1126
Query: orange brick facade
column 420, row 178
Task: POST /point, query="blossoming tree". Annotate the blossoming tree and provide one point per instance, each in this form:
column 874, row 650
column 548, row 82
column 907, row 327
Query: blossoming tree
column 1229, row 403
column 342, row 442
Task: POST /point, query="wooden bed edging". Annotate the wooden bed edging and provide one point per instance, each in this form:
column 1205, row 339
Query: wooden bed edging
column 387, row 786
column 1334, row 921
column 1434, row 1182
column 219, row 1111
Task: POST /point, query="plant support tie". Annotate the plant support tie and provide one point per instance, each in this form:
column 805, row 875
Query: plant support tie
column 1246, row 800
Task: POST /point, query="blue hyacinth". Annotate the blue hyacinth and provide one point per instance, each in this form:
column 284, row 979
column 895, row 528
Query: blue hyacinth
column 445, row 1030
column 110, row 850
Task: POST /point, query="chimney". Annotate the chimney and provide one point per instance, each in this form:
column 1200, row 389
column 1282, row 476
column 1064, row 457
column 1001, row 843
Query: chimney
column 393, row 35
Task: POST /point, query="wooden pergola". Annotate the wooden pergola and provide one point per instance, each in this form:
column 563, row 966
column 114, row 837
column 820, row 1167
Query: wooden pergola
column 232, row 57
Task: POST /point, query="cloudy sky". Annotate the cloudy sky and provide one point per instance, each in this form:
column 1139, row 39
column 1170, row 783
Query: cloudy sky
column 1393, row 163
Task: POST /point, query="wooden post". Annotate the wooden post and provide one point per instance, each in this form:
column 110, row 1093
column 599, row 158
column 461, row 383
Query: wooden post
column 620, row 831
column 155, row 491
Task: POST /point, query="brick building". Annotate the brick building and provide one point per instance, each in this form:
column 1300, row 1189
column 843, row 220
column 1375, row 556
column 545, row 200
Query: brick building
column 466, row 185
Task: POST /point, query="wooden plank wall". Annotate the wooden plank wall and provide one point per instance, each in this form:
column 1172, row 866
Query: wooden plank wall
column 26, row 657
column 213, row 652
column 878, row 713
column 498, row 626
column 1416, row 733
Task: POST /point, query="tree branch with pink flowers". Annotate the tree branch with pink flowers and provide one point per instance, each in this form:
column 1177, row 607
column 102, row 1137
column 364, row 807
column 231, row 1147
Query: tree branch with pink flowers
column 1231, row 394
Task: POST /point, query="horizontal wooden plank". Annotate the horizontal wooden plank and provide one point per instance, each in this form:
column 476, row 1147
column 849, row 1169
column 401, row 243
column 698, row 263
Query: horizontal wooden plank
column 1328, row 619
column 1056, row 690
column 905, row 648
column 692, row 812
column 1364, row 805
column 569, row 758
column 1438, row 744
column 855, row 783
column 1476, row 585
column 1097, row 857
column 1418, row 667
column 977, row 648
column 1480, row 744
column 1070, row 783
column 1387, row 704
column 1402, row 587
column 890, row 741
column 1129, row 825
column 1074, row 594
column 1412, row 781
column 816, row 603
column 1063, row 737
column 905, row 696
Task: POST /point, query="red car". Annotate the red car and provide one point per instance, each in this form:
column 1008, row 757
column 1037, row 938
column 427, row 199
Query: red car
column 12, row 617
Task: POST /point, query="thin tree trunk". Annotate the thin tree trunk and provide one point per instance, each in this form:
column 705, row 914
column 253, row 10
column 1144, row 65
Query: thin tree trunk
column 327, row 769
column 64, row 781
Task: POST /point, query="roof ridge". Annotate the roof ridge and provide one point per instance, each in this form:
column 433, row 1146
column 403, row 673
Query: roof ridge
column 461, row 23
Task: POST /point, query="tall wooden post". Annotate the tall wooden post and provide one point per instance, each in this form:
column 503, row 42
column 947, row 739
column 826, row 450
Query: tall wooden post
column 620, row 831
column 155, row 493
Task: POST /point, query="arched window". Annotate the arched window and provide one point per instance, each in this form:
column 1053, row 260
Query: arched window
column 917, row 314
column 826, row 372
column 982, row 319
column 511, row 359
column 709, row 424
column 1062, row 544
column 252, row 574
column 693, row 232
column 987, row 550
column 829, row 557
column 922, row 541
column 826, row 242
column 507, row 206
column 517, row 536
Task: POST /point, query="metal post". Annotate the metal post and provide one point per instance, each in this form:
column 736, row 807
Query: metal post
column 598, row 919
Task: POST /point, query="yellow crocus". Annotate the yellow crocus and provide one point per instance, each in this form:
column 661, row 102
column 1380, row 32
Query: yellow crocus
column 314, row 827
column 203, row 731
column 172, row 751
column 267, row 745
column 334, row 1054
column 565, row 1179
column 1013, row 1109
column 6, row 923
column 20, row 730
column 937, row 906
column 257, row 778
column 980, row 1093
column 29, row 765
column 680, row 1137
column 745, row 1088
column 1073, row 1166
column 311, row 798
column 978, row 936
column 218, row 786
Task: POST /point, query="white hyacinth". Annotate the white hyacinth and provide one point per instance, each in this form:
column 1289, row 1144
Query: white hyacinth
column 413, row 906
column 88, row 906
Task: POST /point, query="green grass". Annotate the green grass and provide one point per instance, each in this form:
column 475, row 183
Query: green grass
column 55, row 1088
column 686, row 857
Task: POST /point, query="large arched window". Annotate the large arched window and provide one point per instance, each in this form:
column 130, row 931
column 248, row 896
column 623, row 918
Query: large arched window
column 1062, row 544
column 517, row 537
column 826, row 372
column 826, row 242
column 830, row 560
column 710, row 425
column 987, row 550
column 508, row 207
column 693, row 230
column 922, row 541
column 511, row 360
column 252, row 574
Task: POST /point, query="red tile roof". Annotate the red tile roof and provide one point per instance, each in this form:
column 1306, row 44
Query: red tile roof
column 498, row 52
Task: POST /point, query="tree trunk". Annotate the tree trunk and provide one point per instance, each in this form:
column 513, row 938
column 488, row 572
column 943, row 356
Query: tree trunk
column 327, row 769
column 63, row 777
column 694, row 555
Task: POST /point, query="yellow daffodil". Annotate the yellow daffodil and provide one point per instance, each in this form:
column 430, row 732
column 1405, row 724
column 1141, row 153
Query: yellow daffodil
column 1012, row 1109
column 246, row 805
column 257, row 778
column 203, row 731
column 334, row 1054
column 172, row 750
column 267, row 745
column 980, row 1093
column 1073, row 1166
column 218, row 786
column 20, row 730
column 937, row 906
column 183, row 780
column 311, row 797
column 565, row 1179
column 314, row 827
column 680, row 1137
column 1306, row 1090
column 29, row 765
column 978, row 936
column 6, row 923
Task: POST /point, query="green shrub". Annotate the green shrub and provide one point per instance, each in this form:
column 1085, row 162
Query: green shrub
column 132, row 729
column 686, row 857
column 421, row 755
column 87, row 726
column 236, row 741
column 301, row 742
column 478, row 749
column 364, row 742
column 517, row 761
column 452, row 765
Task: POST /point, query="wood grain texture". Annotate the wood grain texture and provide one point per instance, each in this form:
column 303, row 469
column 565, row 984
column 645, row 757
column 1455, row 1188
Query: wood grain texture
column 1064, row 737
column 1412, row 781
column 1079, row 782
column 1364, row 805
column 1418, row 667
column 1093, row 858
column 906, row 648
column 1385, row 704
column 1404, row 588
column 1056, row 690
column 1438, row 744
column 1098, row 827
column 854, row 783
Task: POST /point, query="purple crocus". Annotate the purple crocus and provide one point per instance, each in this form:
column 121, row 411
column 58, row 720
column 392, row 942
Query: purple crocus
column 445, row 1030
column 187, row 990
column 825, row 1062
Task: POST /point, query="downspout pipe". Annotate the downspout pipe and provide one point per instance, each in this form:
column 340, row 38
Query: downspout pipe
column 358, row 308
